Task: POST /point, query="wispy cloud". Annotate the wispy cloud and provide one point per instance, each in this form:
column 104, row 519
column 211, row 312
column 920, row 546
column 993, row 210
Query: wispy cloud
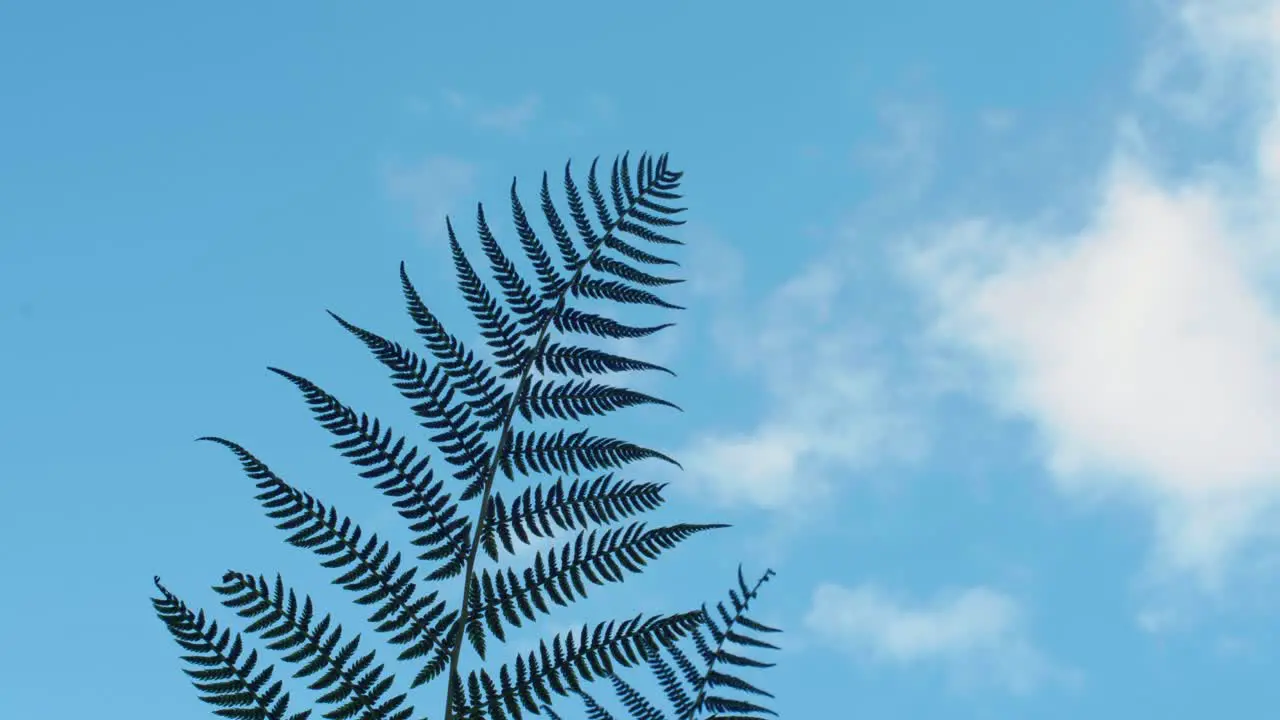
column 997, row 120
column 976, row 635
column 1208, row 56
column 1145, row 345
column 510, row 118
column 831, row 405
column 596, row 110
column 433, row 188
column 513, row 118
column 906, row 153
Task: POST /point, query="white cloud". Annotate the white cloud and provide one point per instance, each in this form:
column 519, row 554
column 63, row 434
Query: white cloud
column 834, row 404
column 976, row 635
column 1211, row 55
column 830, row 402
column 433, row 188
column 1145, row 345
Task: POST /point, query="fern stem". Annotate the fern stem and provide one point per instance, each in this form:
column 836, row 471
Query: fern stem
column 491, row 472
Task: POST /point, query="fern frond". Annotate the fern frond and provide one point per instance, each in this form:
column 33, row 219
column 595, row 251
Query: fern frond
column 534, row 512
column 617, row 268
column 578, row 212
column 319, row 529
column 440, row 530
column 679, row 697
column 570, row 320
column 592, row 287
column 540, row 452
column 655, row 220
column 693, row 690
column 221, row 673
column 277, row 617
column 461, row 437
column 613, row 242
column 572, row 400
column 563, row 575
column 622, row 181
column 725, row 635
column 471, row 406
column 568, row 250
column 568, row 359
column 634, row 702
column 655, row 182
column 645, row 233
column 569, row 662
column 467, row 374
column 603, row 213
column 661, row 183
column 526, row 305
column 551, row 282
column 501, row 333
column 527, row 452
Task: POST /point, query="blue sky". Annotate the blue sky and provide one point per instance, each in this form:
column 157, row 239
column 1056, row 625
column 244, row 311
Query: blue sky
column 980, row 352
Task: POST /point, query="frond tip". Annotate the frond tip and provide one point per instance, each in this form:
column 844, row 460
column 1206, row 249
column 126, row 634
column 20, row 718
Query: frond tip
column 221, row 672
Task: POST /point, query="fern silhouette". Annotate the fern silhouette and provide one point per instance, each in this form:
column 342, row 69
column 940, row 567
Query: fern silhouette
column 480, row 413
column 694, row 690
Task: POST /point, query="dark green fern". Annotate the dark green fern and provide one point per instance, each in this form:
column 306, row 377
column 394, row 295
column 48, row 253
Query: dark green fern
column 485, row 416
column 705, row 690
